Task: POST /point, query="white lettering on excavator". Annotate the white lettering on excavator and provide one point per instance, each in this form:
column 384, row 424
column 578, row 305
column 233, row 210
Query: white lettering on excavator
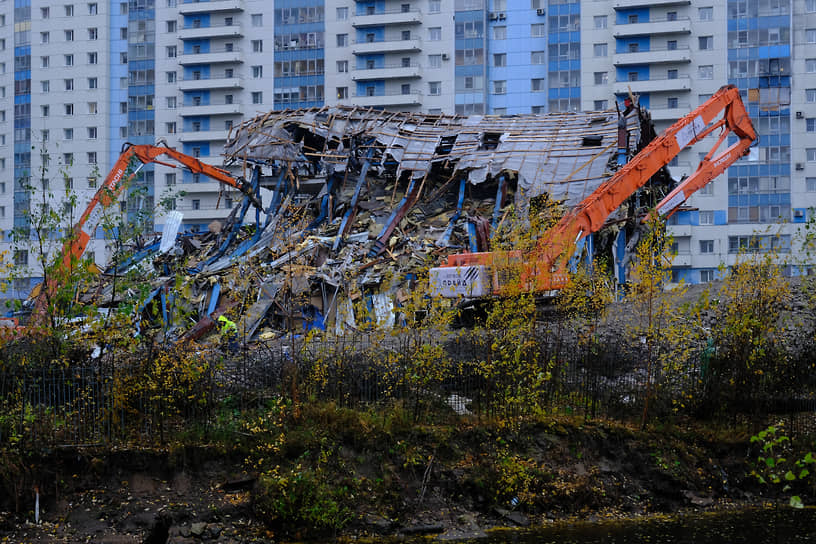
column 721, row 160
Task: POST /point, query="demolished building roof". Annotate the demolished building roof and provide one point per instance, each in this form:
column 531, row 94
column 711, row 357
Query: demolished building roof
column 359, row 202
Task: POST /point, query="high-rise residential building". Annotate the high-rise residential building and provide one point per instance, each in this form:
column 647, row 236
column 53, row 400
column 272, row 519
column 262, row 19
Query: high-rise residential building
column 79, row 79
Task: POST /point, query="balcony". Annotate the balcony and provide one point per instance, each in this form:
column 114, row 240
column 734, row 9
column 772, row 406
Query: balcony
column 387, row 72
column 390, row 17
column 206, row 32
column 679, row 25
column 215, row 56
column 209, row 109
column 205, row 212
column 666, row 113
column 205, row 186
column 626, row 4
column 207, row 83
column 214, row 6
column 413, row 98
column 202, row 135
column 654, row 85
column 682, row 258
column 386, row 46
column 653, row 56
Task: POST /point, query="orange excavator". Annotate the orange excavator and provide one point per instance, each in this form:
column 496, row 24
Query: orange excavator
column 115, row 182
column 475, row 275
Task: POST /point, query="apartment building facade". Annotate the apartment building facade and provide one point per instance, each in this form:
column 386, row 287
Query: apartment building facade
column 78, row 79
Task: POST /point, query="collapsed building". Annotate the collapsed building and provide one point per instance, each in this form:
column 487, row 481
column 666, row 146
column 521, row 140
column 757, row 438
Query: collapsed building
column 358, row 203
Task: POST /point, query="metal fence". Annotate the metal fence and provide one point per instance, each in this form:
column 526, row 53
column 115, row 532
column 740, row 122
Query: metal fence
column 452, row 376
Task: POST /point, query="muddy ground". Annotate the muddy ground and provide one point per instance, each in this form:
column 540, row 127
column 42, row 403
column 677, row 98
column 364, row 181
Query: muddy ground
column 449, row 487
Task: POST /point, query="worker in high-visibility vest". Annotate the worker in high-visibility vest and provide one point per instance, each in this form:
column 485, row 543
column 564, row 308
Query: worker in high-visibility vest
column 229, row 332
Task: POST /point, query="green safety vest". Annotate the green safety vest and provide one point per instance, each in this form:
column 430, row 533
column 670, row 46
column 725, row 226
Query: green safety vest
column 227, row 326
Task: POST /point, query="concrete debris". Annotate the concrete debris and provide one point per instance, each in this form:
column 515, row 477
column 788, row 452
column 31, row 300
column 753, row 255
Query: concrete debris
column 359, row 203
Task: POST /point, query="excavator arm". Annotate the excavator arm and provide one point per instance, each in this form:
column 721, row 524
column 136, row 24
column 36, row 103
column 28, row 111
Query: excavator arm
column 116, row 181
column 545, row 269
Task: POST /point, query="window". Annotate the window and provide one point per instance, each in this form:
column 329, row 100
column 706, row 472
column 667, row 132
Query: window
column 499, row 87
column 705, row 42
column 707, row 189
column 405, row 88
column 45, row 13
column 406, row 62
column 21, row 257
column 45, row 86
column 123, row 33
column 171, row 102
column 601, row 78
column 810, row 35
column 500, row 32
column 406, row 35
column 434, row 61
column 434, row 6
column 257, row 71
column 69, row 84
column 342, row 13
column 706, row 217
column 537, row 30
column 600, row 105
column 705, row 13
column 538, row 57
column 92, row 133
column 68, row 134
column 170, row 77
column 633, row 19
column 435, row 33
column 91, row 157
column 93, row 34
column 810, row 153
column 810, row 124
column 93, row 58
column 600, row 21
column 671, row 45
column 92, row 83
column 69, row 10
column 599, row 49
column 342, row 93
column 370, row 37
column 434, row 88
column 672, row 102
column 706, row 246
column 170, row 127
column 196, row 204
column 45, row 37
column 810, row 185
column 671, row 16
column 705, row 71
column 810, row 6
column 171, row 51
column 92, row 108
column 170, row 178
column 69, row 60
column 45, row 110
column 810, row 95
column 68, row 159
column 44, row 61
column 69, row 35
column 171, row 26
column 44, row 137
column 342, row 40
column 93, row 9
column 257, row 97
column 632, row 76
column 810, row 64
column 500, row 59
column 706, row 276
column 257, row 46
column 538, row 85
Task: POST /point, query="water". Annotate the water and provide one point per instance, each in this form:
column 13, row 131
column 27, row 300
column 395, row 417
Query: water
column 770, row 526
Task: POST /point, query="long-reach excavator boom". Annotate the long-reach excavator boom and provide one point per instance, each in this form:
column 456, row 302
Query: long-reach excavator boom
column 545, row 269
column 117, row 180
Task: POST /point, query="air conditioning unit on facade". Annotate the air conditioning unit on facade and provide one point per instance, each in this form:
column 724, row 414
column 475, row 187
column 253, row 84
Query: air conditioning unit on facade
column 445, row 56
column 800, row 166
column 800, row 115
column 540, row 11
column 502, row 16
column 494, row 16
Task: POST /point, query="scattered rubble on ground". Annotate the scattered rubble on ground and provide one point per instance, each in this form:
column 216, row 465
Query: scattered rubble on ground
column 359, row 203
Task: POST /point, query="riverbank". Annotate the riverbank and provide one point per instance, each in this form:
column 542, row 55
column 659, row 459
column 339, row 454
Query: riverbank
column 318, row 471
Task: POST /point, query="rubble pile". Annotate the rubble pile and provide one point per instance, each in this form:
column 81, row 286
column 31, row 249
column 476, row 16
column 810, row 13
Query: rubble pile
column 358, row 203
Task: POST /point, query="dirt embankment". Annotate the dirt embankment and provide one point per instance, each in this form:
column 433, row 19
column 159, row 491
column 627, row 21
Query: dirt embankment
column 456, row 481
